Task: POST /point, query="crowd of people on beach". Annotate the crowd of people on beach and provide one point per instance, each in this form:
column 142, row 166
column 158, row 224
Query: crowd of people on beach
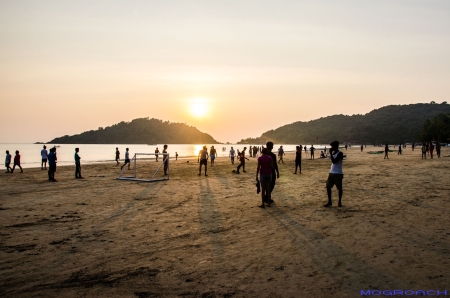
column 267, row 171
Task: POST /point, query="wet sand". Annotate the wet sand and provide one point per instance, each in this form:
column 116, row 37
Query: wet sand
column 202, row 236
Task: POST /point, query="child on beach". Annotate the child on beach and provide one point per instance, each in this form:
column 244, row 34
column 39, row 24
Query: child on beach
column 8, row 162
column 127, row 159
column 17, row 162
column 264, row 168
column 336, row 175
column 44, row 155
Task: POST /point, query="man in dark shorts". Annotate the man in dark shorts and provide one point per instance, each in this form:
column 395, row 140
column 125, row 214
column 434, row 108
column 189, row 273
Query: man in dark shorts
column 386, row 151
column 298, row 158
column 127, row 159
column 336, row 175
column 117, row 156
column 275, row 172
column 203, row 160
column 77, row 164
column 44, row 155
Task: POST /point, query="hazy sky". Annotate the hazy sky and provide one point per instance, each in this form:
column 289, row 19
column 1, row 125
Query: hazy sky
column 71, row 66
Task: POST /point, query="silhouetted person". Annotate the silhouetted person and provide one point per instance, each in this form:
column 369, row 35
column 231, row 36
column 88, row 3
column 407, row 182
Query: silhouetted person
column 298, row 159
column 280, row 154
column 312, row 151
column 117, row 156
column 336, row 175
column 8, row 162
column 424, row 151
column 412, row 146
column 431, row 150
column 17, row 162
column 52, row 165
column 165, row 160
column 275, row 172
column 156, row 154
column 232, row 153
column 438, row 150
column 203, row 160
column 362, row 148
column 77, row 164
column 242, row 159
column 386, row 151
column 212, row 155
column 176, row 155
column 399, row 149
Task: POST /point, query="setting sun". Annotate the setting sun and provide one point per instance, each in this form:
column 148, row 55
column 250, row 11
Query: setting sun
column 198, row 107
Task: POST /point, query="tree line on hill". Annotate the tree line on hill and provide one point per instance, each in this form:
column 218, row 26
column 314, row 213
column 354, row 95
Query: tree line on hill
column 394, row 124
column 140, row 131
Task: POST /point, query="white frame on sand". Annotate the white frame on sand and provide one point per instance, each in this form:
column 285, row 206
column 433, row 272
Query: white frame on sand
column 133, row 178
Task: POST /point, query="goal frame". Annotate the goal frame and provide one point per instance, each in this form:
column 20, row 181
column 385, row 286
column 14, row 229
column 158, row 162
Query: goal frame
column 134, row 159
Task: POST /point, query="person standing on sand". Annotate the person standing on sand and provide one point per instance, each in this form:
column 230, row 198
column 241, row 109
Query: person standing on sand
column 306, row 152
column 412, row 146
column 117, row 156
column 127, row 159
column 8, row 162
column 312, row 151
column 431, row 150
column 231, row 155
column 424, row 151
column 264, row 168
column 336, row 175
column 438, row 150
column 176, row 155
column 44, row 156
column 165, row 160
column 212, row 154
column 298, row 159
column 275, row 172
column 399, row 149
column 203, row 160
column 156, row 154
column 77, row 164
column 280, row 154
column 386, row 151
column 52, row 165
column 17, row 162
column 362, row 147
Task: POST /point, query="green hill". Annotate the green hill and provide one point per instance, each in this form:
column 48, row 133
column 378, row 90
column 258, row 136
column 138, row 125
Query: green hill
column 391, row 124
column 140, row 131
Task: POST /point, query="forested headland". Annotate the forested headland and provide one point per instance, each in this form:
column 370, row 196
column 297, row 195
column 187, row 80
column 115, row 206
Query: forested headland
column 392, row 124
column 140, row 131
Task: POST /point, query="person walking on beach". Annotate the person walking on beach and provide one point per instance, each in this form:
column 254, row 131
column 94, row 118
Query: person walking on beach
column 264, row 168
column 242, row 159
column 275, row 172
column 438, row 150
column 386, row 151
column 44, row 156
column 203, row 160
column 156, row 154
column 312, row 151
column 8, row 162
column 17, row 162
column 127, row 159
column 176, row 155
column 362, row 148
column 424, row 151
column 336, row 175
column 280, row 154
column 306, row 152
column 399, row 149
column 117, row 156
column 298, row 159
column 165, row 160
column 52, row 165
column 412, row 146
column 212, row 154
column 77, row 164
column 231, row 155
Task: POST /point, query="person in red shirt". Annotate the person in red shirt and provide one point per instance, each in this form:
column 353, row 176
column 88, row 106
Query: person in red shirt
column 17, row 162
column 264, row 168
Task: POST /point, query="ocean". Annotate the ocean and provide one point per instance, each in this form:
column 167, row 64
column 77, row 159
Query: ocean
column 30, row 154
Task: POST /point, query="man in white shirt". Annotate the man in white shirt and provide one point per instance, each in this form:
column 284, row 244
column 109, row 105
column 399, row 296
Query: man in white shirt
column 336, row 175
column 44, row 155
column 232, row 153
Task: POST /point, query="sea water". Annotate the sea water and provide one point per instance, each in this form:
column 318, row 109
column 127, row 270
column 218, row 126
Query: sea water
column 30, row 154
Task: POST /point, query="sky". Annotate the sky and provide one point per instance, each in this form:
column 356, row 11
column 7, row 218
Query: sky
column 233, row 69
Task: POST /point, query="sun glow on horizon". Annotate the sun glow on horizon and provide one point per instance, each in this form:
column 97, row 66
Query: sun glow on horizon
column 199, row 107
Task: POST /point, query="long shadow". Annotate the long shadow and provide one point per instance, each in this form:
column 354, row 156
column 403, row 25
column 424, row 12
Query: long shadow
column 334, row 260
column 209, row 216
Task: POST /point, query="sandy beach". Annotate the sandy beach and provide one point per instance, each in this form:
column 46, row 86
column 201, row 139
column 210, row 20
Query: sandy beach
column 202, row 236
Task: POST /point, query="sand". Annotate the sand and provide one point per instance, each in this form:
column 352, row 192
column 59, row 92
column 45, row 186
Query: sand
column 205, row 236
